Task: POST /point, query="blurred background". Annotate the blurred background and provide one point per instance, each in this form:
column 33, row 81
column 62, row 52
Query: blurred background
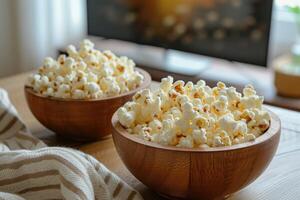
column 236, row 41
column 33, row 29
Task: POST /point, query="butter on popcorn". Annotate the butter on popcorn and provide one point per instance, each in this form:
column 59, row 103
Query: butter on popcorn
column 86, row 73
column 195, row 115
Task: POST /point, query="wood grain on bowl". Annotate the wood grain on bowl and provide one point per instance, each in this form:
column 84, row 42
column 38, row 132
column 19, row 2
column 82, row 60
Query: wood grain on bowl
column 207, row 173
column 79, row 119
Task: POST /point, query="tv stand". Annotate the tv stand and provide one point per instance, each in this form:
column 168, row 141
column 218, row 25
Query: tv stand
column 185, row 63
column 155, row 60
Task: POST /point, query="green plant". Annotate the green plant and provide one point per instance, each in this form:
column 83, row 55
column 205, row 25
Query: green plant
column 295, row 9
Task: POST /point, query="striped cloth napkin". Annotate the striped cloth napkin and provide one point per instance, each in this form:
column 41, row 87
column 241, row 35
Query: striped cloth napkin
column 31, row 170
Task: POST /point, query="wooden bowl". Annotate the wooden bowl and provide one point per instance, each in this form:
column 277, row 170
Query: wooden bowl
column 82, row 120
column 207, row 173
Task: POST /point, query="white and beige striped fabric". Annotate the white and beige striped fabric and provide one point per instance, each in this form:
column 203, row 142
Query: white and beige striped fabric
column 31, row 170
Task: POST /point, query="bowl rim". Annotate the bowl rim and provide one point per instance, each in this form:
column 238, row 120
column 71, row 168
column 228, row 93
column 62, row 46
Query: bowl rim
column 273, row 130
column 145, row 84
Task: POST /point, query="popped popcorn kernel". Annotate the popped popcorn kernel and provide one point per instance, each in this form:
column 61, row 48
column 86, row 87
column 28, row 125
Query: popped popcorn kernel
column 191, row 115
column 86, row 73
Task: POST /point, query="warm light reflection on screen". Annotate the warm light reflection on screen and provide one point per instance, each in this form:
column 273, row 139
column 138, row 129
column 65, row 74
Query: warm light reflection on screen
column 221, row 28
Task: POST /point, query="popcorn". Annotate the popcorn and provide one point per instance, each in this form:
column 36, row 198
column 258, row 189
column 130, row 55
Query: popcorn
column 179, row 86
column 167, row 138
column 63, row 91
column 126, row 118
column 220, row 106
column 218, row 141
column 195, row 115
column 249, row 137
column 155, row 126
column 45, row 81
column 199, row 136
column 71, row 50
column 200, row 122
column 186, row 142
column 106, row 70
column 249, row 91
column 77, row 94
column 92, row 77
column 60, row 79
column 139, row 79
column 81, row 66
column 166, row 83
column 92, row 87
column 201, row 83
column 168, row 124
column 85, row 74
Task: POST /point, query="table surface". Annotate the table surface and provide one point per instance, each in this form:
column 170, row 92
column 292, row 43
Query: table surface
column 281, row 180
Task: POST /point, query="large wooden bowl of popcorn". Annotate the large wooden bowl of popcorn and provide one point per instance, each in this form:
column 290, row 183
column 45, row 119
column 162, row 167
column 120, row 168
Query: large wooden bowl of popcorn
column 195, row 149
column 76, row 95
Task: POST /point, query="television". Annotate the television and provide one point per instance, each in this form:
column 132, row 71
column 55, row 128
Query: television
column 235, row 30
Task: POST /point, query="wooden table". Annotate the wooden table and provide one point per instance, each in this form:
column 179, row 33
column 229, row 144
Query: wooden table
column 280, row 181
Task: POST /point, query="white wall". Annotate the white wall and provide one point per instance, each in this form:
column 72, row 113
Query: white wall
column 33, row 29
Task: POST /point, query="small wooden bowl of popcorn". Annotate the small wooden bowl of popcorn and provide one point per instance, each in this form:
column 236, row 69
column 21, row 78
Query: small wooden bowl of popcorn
column 76, row 96
column 191, row 166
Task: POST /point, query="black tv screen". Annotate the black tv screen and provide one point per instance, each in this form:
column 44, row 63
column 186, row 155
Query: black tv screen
column 236, row 30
